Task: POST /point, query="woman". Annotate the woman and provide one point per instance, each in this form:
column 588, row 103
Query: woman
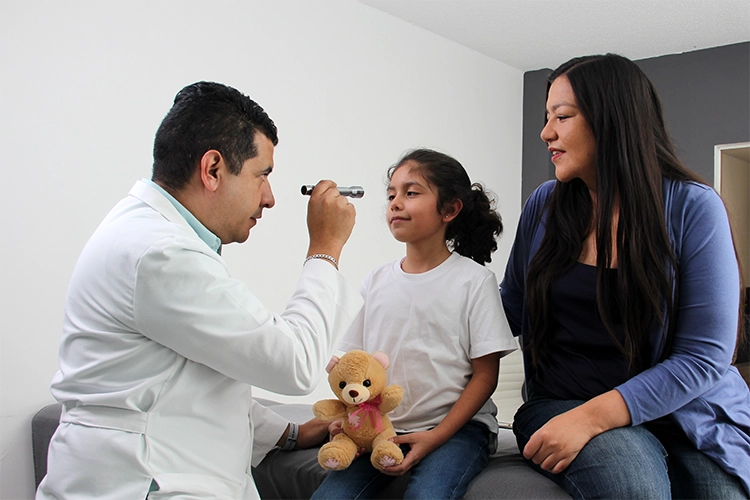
column 624, row 284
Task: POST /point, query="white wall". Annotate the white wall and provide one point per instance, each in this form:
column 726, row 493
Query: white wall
column 84, row 85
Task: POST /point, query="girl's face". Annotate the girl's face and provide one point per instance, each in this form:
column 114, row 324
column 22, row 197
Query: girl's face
column 412, row 212
column 568, row 136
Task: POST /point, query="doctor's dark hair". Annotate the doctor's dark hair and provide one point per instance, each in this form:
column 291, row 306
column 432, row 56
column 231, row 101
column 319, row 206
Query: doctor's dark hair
column 633, row 155
column 473, row 233
column 205, row 116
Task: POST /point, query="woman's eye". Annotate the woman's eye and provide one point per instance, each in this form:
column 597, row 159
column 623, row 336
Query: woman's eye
column 367, row 383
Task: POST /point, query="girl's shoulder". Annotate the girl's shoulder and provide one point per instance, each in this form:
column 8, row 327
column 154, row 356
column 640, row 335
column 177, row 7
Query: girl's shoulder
column 470, row 267
column 456, row 267
column 383, row 271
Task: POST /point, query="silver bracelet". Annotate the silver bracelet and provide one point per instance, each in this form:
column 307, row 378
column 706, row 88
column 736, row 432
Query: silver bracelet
column 323, row 256
column 291, row 439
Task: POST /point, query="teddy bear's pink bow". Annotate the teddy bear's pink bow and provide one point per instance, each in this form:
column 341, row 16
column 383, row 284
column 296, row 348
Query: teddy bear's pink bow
column 369, row 408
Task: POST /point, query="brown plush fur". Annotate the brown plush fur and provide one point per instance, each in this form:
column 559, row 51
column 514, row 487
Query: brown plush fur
column 356, row 378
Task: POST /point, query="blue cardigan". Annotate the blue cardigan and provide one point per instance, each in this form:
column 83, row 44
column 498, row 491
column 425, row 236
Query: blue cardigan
column 695, row 383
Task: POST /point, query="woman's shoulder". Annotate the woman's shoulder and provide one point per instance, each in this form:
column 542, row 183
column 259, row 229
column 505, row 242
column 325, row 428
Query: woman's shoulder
column 535, row 203
column 542, row 191
column 684, row 196
column 539, row 196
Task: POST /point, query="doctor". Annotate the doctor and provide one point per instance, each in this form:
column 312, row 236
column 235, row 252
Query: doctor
column 161, row 346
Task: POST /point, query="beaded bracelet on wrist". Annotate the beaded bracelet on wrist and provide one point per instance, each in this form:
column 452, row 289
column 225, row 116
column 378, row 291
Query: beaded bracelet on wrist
column 323, row 256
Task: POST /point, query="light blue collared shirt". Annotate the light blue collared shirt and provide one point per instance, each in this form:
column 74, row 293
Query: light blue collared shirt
column 203, row 233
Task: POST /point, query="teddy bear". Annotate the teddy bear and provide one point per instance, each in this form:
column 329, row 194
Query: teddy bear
column 359, row 381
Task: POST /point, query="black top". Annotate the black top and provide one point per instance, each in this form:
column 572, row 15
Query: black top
column 585, row 361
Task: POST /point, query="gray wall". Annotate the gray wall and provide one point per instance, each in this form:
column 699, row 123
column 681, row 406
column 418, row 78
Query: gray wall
column 706, row 99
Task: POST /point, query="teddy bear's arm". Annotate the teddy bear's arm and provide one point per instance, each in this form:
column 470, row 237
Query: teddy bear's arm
column 329, row 409
column 391, row 398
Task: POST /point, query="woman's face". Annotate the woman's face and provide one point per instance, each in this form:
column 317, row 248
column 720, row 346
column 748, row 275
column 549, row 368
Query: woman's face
column 568, row 136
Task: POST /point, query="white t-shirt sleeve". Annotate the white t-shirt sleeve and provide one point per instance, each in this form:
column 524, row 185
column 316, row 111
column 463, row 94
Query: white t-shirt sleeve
column 488, row 327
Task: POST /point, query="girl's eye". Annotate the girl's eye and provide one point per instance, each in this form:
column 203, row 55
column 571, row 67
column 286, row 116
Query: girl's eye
column 367, row 383
column 562, row 117
column 411, row 193
column 342, row 384
column 390, row 197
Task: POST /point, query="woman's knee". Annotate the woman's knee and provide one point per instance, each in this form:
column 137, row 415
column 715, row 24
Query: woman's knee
column 628, row 462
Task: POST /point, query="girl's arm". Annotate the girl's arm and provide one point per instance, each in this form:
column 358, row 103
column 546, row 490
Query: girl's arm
column 479, row 389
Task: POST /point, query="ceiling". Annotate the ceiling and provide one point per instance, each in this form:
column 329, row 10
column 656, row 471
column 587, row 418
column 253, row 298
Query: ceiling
column 535, row 34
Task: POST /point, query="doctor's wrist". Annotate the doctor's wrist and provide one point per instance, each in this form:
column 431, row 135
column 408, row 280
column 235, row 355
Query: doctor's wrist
column 291, row 437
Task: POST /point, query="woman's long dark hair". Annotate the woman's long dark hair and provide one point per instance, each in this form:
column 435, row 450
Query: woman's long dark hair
column 633, row 155
column 473, row 233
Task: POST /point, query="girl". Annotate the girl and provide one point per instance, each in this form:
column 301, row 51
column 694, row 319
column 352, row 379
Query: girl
column 438, row 315
column 624, row 283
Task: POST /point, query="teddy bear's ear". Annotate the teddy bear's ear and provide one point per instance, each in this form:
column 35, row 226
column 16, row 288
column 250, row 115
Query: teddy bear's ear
column 331, row 364
column 381, row 358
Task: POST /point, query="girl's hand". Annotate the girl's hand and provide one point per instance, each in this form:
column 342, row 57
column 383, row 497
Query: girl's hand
column 421, row 444
column 337, row 427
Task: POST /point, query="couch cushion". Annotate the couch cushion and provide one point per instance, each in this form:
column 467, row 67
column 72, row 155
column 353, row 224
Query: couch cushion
column 296, row 474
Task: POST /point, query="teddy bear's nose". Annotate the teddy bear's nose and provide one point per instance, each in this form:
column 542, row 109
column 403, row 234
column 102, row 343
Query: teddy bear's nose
column 353, row 393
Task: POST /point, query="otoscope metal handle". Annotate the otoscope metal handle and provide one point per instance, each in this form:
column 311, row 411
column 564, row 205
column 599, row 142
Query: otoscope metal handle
column 350, row 191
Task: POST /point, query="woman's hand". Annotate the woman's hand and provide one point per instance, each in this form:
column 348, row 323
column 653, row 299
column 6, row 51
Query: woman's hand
column 557, row 443
column 421, row 444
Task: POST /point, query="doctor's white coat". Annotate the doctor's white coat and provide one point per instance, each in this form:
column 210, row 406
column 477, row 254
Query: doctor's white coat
column 160, row 348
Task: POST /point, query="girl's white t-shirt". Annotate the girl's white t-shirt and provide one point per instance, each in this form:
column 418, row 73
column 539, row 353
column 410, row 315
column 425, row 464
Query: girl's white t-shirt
column 431, row 325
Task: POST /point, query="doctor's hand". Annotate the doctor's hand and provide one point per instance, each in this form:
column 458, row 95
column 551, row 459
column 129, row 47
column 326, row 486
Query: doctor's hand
column 312, row 433
column 330, row 220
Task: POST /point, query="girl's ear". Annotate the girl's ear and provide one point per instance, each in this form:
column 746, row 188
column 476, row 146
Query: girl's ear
column 451, row 210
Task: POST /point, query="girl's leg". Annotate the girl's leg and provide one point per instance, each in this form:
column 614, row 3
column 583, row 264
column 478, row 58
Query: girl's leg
column 693, row 474
column 447, row 471
column 628, row 462
column 359, row 481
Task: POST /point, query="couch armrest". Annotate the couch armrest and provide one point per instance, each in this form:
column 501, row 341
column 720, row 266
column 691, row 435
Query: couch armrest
column 43, row 426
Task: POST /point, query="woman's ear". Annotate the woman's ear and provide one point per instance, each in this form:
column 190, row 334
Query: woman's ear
column 452, row 209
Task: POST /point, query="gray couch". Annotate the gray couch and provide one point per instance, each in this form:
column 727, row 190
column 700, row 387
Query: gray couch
column 296, row 474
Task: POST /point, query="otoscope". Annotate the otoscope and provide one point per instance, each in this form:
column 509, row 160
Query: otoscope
column 350, row 191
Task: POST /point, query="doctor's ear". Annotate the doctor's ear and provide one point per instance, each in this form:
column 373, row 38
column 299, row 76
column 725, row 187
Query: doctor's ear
column 210, row 169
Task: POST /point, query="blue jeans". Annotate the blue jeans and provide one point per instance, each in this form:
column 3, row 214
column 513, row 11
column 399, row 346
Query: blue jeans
column 654, row 460
column 444, row 473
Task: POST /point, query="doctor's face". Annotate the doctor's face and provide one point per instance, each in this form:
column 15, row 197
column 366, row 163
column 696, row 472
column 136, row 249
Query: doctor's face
column 245, row 195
